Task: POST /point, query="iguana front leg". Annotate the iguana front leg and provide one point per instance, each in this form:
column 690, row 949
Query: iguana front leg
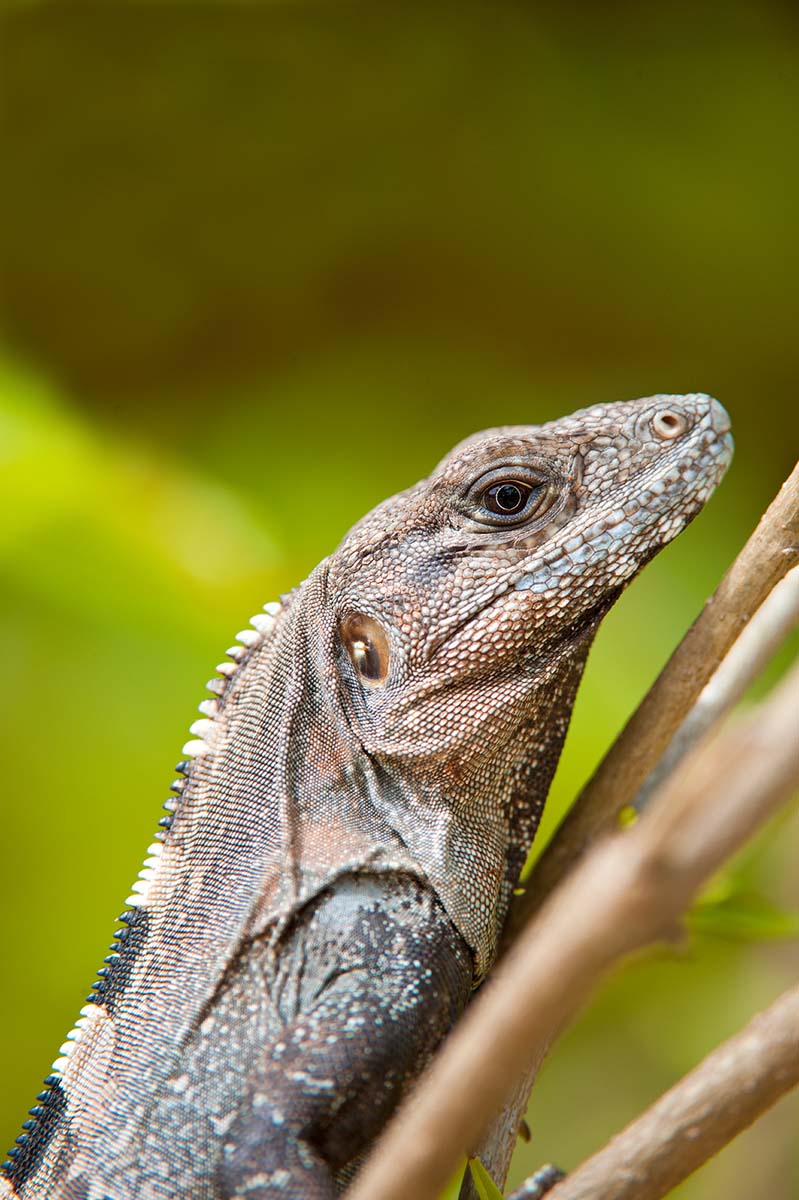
column 383, row 975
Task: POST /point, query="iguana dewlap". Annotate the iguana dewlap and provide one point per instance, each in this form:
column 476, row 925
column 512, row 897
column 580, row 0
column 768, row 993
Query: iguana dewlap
column 353, row 815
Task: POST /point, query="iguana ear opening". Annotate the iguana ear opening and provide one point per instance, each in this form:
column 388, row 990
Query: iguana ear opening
column 367, row 645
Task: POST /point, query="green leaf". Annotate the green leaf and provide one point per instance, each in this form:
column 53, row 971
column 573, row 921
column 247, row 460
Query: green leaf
column 486, row 1188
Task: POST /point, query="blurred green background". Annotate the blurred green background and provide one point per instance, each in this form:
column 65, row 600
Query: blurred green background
column 263, row 264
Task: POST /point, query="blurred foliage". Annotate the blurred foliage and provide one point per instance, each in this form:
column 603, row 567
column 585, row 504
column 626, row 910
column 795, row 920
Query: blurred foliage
column 263, row 264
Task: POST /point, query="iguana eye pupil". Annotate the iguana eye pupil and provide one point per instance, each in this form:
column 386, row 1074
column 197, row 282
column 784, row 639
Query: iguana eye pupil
column 366, row 659
column 367, row 645
column 506, row 499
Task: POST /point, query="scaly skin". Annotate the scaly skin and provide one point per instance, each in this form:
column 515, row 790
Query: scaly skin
column 353, row 817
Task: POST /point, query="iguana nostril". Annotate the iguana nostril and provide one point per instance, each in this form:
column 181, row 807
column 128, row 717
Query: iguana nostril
column 668, row 424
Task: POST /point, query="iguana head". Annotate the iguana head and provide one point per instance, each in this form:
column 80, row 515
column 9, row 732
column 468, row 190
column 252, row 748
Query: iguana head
column 455, row 601
column 459, row 614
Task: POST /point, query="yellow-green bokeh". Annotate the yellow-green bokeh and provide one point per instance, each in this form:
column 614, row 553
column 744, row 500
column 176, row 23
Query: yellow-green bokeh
column 262, row 265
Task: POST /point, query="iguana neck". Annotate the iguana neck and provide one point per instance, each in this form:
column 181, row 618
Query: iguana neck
column 273, row 809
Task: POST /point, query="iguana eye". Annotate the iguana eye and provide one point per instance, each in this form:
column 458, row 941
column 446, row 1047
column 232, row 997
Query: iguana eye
column 507, row 498
column 367, row 645
column 510, row 495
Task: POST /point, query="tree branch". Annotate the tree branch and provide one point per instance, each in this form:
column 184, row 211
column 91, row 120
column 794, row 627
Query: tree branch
column 629, row 891
column 769, row 553
column 696, row 1118
column 694, row 669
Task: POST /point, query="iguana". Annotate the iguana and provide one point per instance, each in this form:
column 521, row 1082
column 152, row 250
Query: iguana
column 352, row 815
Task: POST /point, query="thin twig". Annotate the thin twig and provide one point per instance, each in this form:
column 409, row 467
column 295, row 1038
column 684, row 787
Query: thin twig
column 700, row 1115
column 629, row 891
